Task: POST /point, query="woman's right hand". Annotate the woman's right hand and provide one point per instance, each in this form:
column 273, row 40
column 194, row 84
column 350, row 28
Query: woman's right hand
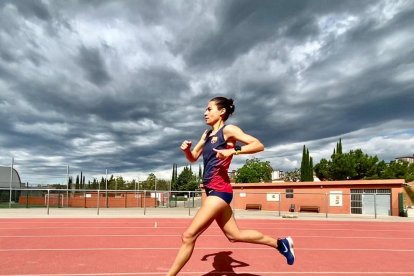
column 186, row 145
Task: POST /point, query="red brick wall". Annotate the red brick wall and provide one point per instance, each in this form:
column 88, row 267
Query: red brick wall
column 80, row 201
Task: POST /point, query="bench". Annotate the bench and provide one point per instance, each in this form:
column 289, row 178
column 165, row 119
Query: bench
column 253, row 206
column 306, row 208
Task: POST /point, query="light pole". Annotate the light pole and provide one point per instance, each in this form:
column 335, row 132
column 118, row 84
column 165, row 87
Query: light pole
column 106, row 187
column 67, row 186
column 11, row 182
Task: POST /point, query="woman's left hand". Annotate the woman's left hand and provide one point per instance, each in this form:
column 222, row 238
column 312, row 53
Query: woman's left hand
column 223, row 153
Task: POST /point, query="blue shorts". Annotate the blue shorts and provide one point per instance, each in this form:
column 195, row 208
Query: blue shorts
column 227, row 197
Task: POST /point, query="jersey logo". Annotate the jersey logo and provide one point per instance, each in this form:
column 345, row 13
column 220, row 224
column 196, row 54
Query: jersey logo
column 214, row 139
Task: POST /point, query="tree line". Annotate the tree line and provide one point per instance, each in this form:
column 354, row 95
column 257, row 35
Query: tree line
column 354, row 165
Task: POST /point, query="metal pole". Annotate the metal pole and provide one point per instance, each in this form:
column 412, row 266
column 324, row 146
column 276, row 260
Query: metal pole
column 280, row 199
column 48, row 197
column 156, row 197
column 136, row 193
column 327, row 203
column 99, row 200
column 106, row 187
column 67, row 186
column 27, row 195
column 188, row 203
column 375, row 204
column 145, row 205
column 11, row 182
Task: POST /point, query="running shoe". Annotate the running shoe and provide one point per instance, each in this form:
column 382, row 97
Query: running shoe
column 285, row 247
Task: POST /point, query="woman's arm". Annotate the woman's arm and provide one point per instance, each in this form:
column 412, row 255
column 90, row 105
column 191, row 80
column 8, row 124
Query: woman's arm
column 193, row 155
column 234, row 133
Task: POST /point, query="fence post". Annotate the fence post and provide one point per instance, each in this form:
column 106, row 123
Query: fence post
column 188, row 203
column 280, row 199
column 48, row 197
column 145, row 205
column 327, row 204
column 375, row 204
column 99, row 202
column 126, row 199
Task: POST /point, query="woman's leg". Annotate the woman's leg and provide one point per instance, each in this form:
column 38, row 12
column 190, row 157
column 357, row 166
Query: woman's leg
column 211, row 207
column 228, row 225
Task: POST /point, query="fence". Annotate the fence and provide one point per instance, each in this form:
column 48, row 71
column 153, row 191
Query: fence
column 277, row 204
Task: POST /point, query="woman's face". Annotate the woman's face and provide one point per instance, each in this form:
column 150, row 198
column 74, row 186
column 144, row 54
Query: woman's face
column 212, row 114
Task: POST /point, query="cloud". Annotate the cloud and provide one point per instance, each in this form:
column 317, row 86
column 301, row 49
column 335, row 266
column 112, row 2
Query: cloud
column 118, row 85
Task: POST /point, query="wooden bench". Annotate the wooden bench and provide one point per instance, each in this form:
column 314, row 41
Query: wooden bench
column 306, row 208
column 253, row 206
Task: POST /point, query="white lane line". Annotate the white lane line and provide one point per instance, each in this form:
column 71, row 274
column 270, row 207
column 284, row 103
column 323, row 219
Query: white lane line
column 204, row 235
column 200, row 248
column 231, row 272
column 211, row 228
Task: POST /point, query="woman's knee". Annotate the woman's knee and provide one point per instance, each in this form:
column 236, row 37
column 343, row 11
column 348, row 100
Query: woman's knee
column 188, row 237
column 232, row 237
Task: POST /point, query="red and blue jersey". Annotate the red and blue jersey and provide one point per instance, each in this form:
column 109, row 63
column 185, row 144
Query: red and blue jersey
column 215, row 170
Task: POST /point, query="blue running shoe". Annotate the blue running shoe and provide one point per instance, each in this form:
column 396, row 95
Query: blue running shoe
column 285, row 247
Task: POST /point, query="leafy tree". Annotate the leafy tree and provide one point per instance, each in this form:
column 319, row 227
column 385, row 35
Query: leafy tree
column 149, row 183
column 353, row 165
column 111, row 183
column 342, row 167
column 187, row 181
column 120, row 183
column 398, row 169
column 254, row 171
column 292, row 176
column 322, row 169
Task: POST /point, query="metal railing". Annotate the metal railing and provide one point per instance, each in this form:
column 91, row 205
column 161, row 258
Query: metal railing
column 277, row 204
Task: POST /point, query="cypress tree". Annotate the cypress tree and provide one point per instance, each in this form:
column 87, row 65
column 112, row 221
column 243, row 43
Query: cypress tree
column 200, row 174
column 306, row 169
column 303, row 165
column 310, row 169
column 339, row 147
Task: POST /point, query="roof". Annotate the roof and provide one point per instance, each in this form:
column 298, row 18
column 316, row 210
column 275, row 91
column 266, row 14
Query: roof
column 5, row 178
column 408, row 156
column 352, row 183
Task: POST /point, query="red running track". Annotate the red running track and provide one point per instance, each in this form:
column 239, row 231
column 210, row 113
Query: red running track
column 148, row 246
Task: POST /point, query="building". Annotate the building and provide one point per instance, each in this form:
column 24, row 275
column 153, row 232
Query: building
column 409, row 159
column 366, row 197
column 278, row 176
column 5, row 173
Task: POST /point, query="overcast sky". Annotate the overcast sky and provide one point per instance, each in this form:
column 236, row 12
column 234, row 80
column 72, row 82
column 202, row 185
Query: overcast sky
column 118, row 85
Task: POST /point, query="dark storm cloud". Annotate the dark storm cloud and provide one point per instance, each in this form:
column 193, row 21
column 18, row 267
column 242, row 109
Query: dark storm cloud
column 245, row 24
column 33, row 8
column 94, row 66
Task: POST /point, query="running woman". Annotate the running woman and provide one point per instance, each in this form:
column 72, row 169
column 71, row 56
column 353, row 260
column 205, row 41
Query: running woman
column 218, row 145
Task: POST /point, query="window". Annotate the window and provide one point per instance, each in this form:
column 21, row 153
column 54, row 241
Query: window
column 289, row 193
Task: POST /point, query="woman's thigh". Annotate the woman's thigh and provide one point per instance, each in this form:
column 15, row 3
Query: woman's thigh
column 209, row 210
column 227, row 223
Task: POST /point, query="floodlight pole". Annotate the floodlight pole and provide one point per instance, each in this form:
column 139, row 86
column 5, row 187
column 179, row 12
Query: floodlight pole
column 106, row 187
column 67, row 186
column 11, row 182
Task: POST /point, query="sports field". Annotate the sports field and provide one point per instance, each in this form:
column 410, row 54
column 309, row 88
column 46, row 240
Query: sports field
column 147, row 246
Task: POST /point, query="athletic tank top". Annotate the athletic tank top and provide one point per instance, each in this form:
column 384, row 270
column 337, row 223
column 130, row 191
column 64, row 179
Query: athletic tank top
column 215, row 170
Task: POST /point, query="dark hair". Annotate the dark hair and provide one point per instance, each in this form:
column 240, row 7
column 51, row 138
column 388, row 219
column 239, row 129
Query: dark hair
column 225, row 103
